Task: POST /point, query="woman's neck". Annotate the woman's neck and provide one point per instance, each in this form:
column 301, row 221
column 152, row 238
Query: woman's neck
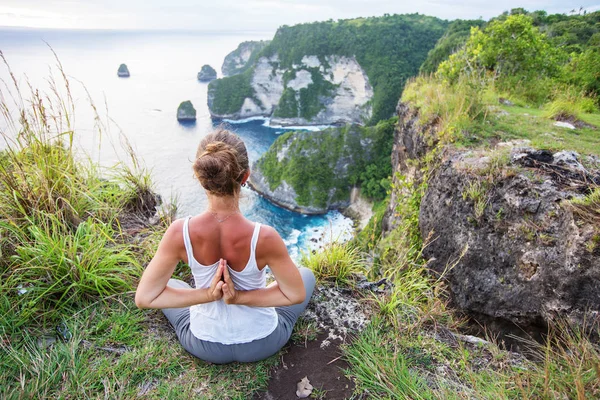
column 223, row 204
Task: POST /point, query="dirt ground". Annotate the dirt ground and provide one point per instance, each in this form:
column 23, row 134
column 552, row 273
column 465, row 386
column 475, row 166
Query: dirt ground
column 322, row 365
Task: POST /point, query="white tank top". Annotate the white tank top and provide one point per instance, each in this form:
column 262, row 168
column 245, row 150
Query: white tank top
column 229, row 323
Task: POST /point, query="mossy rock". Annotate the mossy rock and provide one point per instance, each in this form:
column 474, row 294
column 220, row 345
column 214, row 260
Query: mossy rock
column 123, row 71
column 186, row 111
column 207, row 73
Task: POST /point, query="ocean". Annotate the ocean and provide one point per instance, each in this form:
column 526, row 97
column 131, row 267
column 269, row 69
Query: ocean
column 142, row 108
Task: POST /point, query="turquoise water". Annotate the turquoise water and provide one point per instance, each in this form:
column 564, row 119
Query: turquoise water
column 142, row 108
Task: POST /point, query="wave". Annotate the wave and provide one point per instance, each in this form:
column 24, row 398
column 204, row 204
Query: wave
column 243, row 121
column 313, row 128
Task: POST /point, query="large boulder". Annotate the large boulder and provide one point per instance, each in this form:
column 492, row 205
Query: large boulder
column 508, row 239
column 207, row 74
column 186, row 112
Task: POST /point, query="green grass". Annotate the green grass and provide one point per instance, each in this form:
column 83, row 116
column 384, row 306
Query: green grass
column 530, row 124
column 117, row 350
column 380, row 367
column 69, row 262
column 335, row 262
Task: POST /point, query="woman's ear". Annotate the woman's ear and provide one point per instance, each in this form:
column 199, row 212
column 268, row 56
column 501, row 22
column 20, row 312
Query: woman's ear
column 245, row 178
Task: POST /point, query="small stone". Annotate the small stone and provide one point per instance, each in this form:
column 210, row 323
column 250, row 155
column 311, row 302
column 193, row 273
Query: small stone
column 505, row 102
column 566, row 125
column 304, row 388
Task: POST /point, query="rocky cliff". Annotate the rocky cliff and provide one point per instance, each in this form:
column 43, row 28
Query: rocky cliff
column 243, row 57
column 514, row 230
column 313, row 172
column 332, row 91
column 327, row 72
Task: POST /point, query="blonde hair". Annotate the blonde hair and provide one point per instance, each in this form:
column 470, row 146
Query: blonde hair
column 221, row 162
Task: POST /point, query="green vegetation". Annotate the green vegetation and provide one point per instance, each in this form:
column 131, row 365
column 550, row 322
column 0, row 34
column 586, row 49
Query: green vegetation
column 226, row 96
column 207, row 73
column 455, row 37
column 337, row 262
column 231, row 64
column 576, row 36
column 390, row 49
column 72, row 249
column 313, row 163
column 186, row 110
column 288, row 105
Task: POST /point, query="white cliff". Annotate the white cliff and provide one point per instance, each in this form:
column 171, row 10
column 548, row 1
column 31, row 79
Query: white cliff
column 348, row 102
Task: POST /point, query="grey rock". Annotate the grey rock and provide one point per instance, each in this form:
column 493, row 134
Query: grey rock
column 527, row 259
column 562, row 124
column 505, row 102
column 186, row 111
column 527, row 266
column 568, row 159
column 123, row 71
column 207, row 74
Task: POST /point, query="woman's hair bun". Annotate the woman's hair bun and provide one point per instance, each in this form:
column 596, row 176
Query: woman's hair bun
column 215, row 147
column 221, row 162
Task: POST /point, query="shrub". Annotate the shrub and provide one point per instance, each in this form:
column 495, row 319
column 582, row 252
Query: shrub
column 335, row 262
column 569, row 103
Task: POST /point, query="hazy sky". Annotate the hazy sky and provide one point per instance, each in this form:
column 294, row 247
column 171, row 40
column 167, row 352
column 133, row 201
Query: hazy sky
column 243, row 15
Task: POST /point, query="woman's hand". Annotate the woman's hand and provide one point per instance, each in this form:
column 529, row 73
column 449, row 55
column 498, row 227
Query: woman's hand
column 215, row 291
column 229, row 293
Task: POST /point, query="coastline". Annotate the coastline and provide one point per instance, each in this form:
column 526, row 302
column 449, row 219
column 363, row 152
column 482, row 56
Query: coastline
column 267, row 123
column 359, row 211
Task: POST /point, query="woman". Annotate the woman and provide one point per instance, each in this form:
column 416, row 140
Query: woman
column 231, row 315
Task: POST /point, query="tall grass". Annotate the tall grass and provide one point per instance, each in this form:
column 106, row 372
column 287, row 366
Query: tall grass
column 452, row 108
column 569, row 103
column 335, row 262
column 61, row 214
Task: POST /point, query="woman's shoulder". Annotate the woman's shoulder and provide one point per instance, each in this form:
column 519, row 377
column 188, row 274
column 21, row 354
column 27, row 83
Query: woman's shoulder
column 269, row 240
column 267, row 233
column 174, row 231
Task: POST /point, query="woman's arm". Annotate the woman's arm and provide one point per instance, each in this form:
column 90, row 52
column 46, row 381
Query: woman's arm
column 153, row 292
column 288, row 288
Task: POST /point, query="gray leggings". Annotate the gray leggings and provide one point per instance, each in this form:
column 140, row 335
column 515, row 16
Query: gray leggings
column 256, row 350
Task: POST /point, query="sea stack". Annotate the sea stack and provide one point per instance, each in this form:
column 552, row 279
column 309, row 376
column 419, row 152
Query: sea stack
column 123, row 71
column 207, row 73
column 186, row 112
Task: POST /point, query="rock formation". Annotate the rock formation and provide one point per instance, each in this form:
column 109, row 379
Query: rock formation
column 241, row 58
column 186, row 112
column 123, row 71
column 309, row 172
column 337, row 91
column 207, row 73
column 505, row 233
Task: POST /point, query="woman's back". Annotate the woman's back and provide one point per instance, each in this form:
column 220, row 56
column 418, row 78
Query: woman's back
column 230, row 240
column 217, row 321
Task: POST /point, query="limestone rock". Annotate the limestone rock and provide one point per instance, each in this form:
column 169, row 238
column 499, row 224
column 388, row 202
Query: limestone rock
column 522, row 254
column 349, row 101
column 334, row 151
column 562, row 124
column 186, row 111
column 526, row 257
column 240, row 59
column 123, row 71
column 207, row 73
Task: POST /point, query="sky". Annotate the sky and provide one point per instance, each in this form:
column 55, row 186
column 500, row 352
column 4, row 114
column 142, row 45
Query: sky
column 246, row 15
